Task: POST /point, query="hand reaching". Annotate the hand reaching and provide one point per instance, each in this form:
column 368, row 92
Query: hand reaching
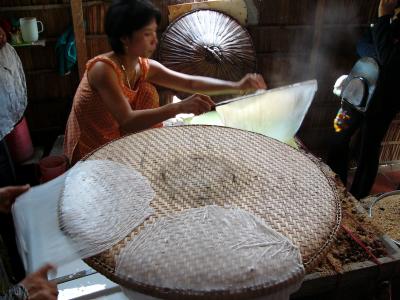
column 38, row 286
column 9, row 194
column 251, row 83
column 196, row 104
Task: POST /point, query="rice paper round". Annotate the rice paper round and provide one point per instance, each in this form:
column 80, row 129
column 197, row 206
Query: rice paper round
column 102, row 202
column 212, row 249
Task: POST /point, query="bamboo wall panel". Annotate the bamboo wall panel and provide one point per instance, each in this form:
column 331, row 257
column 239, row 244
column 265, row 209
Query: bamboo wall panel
column 390, row 150
column 337, row 52
column 287, row 12
column 282, row 69
column 282, row 39
column 97, row 45
column 49, row 116
column 50, row 85
column 38, row 58
column 94, row 16
column 350, row 11
column 163, row 6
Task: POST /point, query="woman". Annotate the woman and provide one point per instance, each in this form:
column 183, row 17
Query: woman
column 116, row 95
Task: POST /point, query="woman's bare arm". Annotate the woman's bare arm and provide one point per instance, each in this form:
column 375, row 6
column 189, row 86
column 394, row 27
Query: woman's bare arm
column 104, row 80
column 168, row 78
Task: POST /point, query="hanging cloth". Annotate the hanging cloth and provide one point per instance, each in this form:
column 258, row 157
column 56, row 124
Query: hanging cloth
column 66, row 51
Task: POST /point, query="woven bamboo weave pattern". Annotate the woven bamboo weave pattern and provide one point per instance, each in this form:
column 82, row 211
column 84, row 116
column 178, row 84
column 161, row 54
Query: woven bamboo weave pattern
column 195, row 166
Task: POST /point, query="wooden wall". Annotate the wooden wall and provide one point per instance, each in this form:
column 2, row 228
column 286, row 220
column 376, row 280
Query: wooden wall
column 295, row 41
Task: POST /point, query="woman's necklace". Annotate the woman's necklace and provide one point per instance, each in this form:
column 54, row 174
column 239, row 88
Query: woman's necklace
column 127, row 77
column 126, row 73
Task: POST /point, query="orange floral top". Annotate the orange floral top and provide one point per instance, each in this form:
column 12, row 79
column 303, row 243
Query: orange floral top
column 90, row 124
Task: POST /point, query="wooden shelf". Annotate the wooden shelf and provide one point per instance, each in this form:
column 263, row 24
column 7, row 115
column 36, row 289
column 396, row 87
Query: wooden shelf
column 41, row 43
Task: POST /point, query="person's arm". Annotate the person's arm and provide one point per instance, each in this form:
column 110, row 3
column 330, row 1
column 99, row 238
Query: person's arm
column 35, row 286
column 161, row 75
column 8, row 195
column 386, row 43
column 104, row 80
column 38, row 287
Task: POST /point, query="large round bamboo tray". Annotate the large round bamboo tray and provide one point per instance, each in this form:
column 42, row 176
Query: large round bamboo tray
column 195, row 166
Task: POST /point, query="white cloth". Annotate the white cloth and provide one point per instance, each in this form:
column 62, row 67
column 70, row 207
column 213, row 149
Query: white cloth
column 338, row 87
column 13, row 94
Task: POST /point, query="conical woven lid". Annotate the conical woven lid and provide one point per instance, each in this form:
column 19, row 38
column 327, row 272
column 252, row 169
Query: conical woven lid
column 191, row 168
column 208, row 43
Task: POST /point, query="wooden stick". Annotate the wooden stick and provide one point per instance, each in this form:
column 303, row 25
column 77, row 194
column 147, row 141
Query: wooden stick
column 359, row 242
column 80, row 37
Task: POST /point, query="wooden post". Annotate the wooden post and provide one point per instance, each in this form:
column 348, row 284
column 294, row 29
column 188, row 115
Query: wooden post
column 80, row 37
column 318, row 23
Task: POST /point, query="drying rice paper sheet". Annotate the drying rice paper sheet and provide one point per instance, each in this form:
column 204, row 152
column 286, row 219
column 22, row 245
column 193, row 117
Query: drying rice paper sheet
column 277, row 113
column 102, row 203
column 212, row 249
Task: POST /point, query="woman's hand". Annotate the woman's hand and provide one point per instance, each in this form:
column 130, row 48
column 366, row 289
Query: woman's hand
column 251, row 83
column 196, row 104
column 387, row 7
column 9, row 194
column 38, row 286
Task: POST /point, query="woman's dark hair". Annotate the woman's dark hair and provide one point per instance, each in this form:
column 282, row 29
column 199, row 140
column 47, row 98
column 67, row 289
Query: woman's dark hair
column 126, row 16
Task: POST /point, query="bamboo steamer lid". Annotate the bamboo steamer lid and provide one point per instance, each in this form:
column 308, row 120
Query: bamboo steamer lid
column 208, row 43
